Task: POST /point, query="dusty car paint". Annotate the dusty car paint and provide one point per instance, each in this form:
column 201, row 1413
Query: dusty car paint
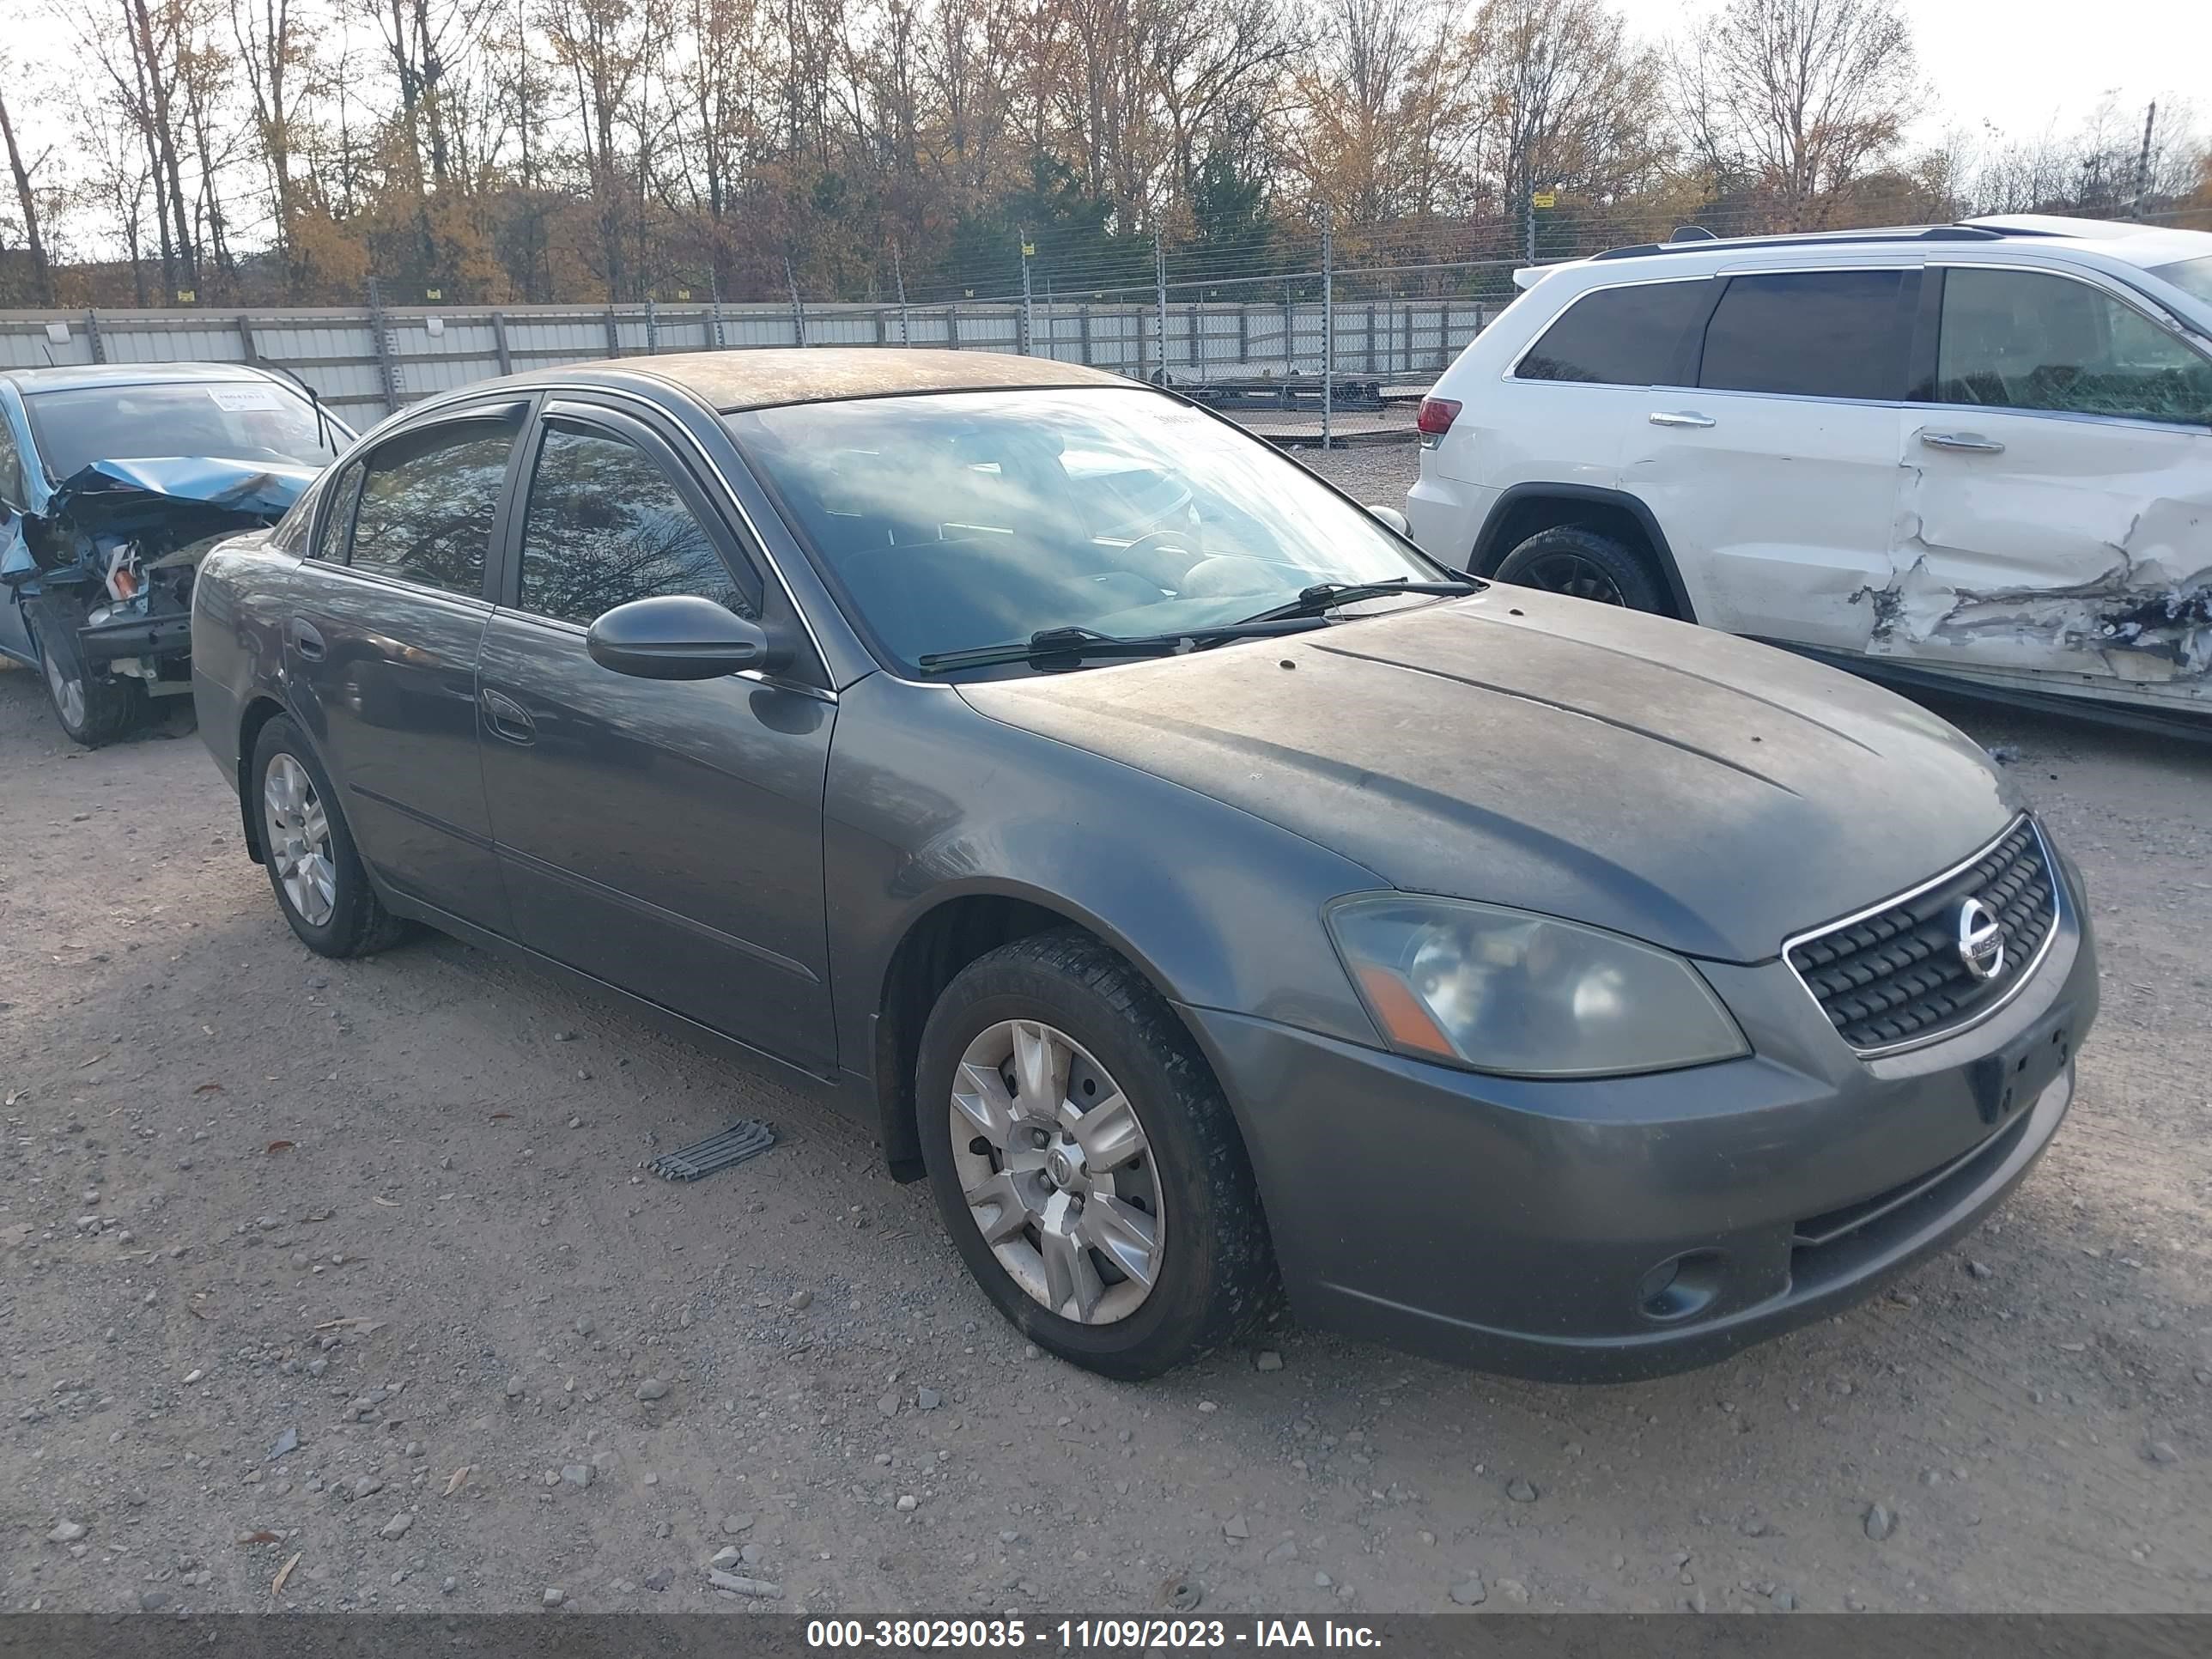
column 1199, row 814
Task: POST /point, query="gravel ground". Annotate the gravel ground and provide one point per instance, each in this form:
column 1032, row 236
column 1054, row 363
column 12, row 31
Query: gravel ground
column 346, row 1275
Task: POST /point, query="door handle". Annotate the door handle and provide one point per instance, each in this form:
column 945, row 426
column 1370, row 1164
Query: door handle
column 1678, row 417
column 506, row 718
column 305, row 640
column 1971, row 442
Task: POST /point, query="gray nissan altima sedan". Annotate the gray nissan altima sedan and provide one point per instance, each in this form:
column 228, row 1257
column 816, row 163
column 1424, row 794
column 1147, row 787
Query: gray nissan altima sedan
column 1202, row 889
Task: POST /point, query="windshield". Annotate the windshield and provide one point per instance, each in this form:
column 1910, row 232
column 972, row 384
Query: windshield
column 224, row 420
column 977, row 518
column 2192, row 276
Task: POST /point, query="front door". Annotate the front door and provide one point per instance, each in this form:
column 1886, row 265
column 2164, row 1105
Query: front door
column 1775, row 480
column 380, row 648
column 663, row 835
column 2059, row 514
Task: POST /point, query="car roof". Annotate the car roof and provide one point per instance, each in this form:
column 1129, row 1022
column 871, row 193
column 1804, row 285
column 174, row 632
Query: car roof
column 2142, row 246
column 733, row 381
column 66, row 377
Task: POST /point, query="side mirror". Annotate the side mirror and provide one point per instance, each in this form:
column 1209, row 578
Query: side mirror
column 1392, row 517
column 678, row 636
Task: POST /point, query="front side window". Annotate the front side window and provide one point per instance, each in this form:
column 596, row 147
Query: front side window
column 2024, row 339
column 428, row 500
column 1619, row 336
column 1809, row 334
column 605, row 526
column 978, row 518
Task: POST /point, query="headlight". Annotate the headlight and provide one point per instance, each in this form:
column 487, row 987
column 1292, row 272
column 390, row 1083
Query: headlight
column 1503, row 991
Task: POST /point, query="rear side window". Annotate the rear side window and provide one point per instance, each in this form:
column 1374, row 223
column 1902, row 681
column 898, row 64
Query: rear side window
column 2192, row 276
column 2021, row 339
column 337, row 522
column 289, row 534
column 1809, row 334
column 606, row 526
column 427, row 503
column 1619, row 336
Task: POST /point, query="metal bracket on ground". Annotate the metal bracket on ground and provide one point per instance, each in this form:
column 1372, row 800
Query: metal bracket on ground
column 744, row 1138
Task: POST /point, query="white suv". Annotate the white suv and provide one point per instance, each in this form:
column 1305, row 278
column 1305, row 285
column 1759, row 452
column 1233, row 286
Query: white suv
column 1981, row 452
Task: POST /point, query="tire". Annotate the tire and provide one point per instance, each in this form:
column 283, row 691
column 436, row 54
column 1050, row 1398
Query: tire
column 318, row 881
column 1211, row 1270
column 1581, row 564
column 93, row 709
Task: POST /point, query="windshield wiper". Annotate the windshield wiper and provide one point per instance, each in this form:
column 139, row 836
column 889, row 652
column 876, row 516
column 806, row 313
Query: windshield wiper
column 1324, row 597
column 1075, row 644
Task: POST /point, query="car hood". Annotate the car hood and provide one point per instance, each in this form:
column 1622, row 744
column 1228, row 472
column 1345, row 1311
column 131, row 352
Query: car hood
column 115, row 489
column 1691, row 789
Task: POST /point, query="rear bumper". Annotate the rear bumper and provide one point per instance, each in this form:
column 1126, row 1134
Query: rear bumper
column 1590, row 1231
column 1445, row 514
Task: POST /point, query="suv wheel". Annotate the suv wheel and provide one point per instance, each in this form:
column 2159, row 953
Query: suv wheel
column 1583, row 565
column 1084, row 1160
column 93, row 709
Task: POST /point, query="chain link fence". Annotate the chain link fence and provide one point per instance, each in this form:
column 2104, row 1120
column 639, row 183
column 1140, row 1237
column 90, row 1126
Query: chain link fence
column 1300, row 344
column 1306, row 357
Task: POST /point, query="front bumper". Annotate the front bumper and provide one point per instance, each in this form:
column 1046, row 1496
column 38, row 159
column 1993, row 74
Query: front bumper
column 1603, row 1229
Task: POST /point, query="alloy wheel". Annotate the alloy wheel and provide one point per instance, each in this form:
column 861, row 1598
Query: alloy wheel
column 298, row 837
column 1057, row 1172
column 1573, row 576
column 69, row 691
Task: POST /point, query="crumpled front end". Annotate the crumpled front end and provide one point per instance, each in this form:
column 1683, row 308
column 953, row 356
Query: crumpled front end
column 106, row 568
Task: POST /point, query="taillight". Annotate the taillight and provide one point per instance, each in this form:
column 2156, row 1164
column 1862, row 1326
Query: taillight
column 1437, row 415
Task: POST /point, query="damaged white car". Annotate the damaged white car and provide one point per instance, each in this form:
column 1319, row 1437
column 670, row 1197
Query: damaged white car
column 114, row 481
column 1978, row 455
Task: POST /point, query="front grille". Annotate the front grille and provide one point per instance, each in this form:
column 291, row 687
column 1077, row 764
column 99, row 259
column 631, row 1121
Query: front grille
column 1897, row 976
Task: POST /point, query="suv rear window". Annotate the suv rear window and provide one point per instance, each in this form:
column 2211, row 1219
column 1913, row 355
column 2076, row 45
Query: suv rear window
column 2192, row 276
column 1809, row 334
column 1619, row 336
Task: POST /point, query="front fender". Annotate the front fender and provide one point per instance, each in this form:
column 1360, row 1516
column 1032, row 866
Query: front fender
column 929, row 801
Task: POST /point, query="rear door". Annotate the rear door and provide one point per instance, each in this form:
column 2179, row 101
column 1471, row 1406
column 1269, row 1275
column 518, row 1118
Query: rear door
column 1577, row 389
column 381, row 648
column 2059, row 514
column 663, row 835
column 1774, row 477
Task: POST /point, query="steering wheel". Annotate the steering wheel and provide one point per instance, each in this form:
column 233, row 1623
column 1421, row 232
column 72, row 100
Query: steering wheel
column 1148, row 548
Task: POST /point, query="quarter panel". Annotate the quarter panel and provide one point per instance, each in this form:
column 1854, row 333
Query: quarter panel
column 238, row 606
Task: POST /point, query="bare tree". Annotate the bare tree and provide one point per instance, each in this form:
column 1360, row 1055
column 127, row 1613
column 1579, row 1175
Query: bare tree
column 1571, row 102
column 1805, row 95
column 42, row 275
column 277, row 47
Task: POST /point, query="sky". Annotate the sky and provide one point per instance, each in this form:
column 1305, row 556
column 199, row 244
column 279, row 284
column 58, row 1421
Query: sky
column 2026, row 65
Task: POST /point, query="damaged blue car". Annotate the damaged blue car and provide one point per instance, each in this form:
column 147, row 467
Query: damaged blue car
column 114, row 481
